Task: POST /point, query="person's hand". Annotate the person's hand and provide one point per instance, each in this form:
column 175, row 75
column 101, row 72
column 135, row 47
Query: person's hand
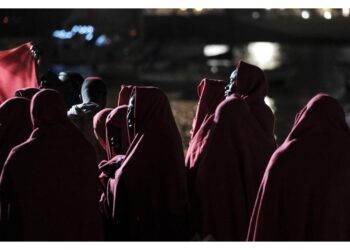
column 37, row 53
column 41, row 65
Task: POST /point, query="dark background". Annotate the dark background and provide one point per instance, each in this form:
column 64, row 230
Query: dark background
column 302, row 51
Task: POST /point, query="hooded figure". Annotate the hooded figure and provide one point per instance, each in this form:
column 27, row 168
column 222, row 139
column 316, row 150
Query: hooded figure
column 117, row 143
column 237, row 152
column 27, row 92
column 117, row 132
column 15, row 125
column 48, row 187
column 149, row 188
column 99, row 124
column 116, row 139
column 211, row 93
column 304, row 195
column 124, row 94
column 17, row 70
column 93, row 93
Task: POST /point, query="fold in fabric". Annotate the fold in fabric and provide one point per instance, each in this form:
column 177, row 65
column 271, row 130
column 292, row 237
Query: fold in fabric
column 17, row 70
column 15, row 125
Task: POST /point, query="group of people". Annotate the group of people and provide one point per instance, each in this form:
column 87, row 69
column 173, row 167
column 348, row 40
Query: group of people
column 72, row 169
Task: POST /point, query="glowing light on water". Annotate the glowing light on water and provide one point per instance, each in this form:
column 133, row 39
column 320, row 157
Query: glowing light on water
column 327, row 14
column 265, row 55
column 215, row 49
column 305, row 14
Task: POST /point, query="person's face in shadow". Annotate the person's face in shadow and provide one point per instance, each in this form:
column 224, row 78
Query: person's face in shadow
column 231, row 86
column 131, row 112
column 115, row 139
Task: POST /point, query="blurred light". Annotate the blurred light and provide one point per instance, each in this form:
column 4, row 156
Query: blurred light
column 271, row 103
column 183, row 9
column 327, row 14
column 102, row 40
column 346, row 12
column 305, row 14
column 62, row 34
column 255, row 15
column 219, row 63
column 133, row 33
column 87, row 30
column 214, row 69
column 215, row 49
column 89, row 37
column 198, row 9
column 265, row 55
column 5, row 20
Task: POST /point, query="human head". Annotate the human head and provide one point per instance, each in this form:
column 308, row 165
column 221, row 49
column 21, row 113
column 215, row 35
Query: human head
column 94, row 90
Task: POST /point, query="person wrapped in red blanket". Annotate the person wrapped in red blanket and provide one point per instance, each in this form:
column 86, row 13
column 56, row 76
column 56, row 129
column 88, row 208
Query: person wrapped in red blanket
column 148, row 190
column 304, row 195
column 237, row 152
column 48, row 187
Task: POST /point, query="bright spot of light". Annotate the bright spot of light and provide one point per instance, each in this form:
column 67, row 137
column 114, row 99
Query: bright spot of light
column 214, row 69
column 102, row 40
column 89, row 36
column 62, row 34
column 198, row 9
column 5, row 20
column 265, row 55
column 346, row 12
column 255, row 15
column 327, row 14
column 271, row 103
column 305, row 14
column 87, row 30
column 215, row 49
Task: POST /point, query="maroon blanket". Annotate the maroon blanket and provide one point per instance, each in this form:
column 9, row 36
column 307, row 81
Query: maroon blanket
column 211, row 93
column 15, row 125
column 305, row 191
column 99, row 124
column 124, row 95
column 48, row 187
column 26, row 92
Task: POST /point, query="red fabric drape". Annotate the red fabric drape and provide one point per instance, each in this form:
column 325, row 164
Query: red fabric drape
column 305, row 192
column 17, row 70
column 99, row 124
